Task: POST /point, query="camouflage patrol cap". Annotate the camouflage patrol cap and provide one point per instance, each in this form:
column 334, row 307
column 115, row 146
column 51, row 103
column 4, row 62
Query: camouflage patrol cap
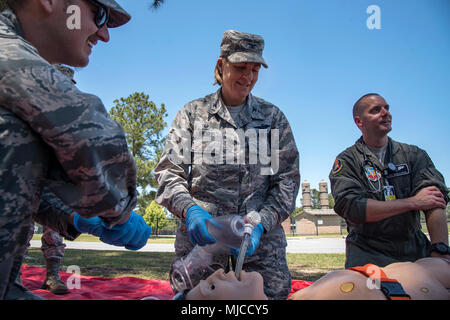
column 117, row 15
column 242, row 47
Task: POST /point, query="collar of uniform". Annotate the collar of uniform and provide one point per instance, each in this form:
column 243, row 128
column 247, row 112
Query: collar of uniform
column 363, row 148
column 10, row 28
column 12, row 23
column 395, row 147
column 218, row 107
column 251, row 110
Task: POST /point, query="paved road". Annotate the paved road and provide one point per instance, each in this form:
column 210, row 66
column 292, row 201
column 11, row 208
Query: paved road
column 315, row 245
column 295, row 245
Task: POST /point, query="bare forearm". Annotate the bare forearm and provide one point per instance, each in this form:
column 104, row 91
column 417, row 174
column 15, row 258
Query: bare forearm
column 379, row 210
column 428, row 198
column 436, row 220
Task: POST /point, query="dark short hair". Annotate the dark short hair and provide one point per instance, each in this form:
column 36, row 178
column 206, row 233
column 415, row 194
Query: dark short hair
column 359, row 105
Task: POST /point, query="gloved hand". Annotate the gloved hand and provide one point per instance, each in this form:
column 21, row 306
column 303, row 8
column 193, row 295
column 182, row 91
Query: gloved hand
column 253, row 244
column 196, row 227
column 132, row 234
column 92, row 226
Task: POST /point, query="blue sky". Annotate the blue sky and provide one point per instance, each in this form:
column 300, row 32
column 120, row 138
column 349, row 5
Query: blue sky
column 322, row 57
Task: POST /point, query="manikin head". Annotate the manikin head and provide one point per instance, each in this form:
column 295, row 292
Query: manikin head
column 225, row 286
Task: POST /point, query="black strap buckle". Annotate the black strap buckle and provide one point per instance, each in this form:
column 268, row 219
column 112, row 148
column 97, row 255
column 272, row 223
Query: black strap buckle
column 393, row 290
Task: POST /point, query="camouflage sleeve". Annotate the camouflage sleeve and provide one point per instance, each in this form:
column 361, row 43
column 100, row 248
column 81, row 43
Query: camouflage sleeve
column 285, row 180
column 54, row 214
column 424, row 174
column 90, row 147
column 349, row 194
column 172, row 170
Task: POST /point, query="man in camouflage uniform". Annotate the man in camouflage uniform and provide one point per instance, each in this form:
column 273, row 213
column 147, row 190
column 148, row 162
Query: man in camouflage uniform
column 53, row 135
column 379, row 187
column 53, row 250
column 201, row 165
column 52, row 242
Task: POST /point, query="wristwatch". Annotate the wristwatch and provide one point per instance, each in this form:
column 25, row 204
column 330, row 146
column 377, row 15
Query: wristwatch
column 441, row 248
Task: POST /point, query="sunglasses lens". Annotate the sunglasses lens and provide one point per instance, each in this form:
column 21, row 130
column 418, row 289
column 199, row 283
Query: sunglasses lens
column 101, row 17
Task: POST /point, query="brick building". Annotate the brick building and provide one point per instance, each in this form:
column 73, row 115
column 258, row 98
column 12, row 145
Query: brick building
column 311, row 221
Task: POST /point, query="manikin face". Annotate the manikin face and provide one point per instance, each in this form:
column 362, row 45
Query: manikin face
column 225, row 286
column 375, row 120
column 238, row 80
column 75, row 45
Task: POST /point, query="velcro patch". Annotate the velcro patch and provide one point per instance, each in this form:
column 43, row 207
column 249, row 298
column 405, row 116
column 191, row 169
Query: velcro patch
column 337, row 166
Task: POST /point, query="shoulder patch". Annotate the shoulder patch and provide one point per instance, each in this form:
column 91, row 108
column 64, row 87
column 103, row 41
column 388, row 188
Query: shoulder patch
column 337, row 166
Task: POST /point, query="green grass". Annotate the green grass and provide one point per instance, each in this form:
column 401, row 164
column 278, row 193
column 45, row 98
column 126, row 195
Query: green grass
column 90, row 238
column 171, row 239
column 156, row 265
column 147, row 265
column 309, row 266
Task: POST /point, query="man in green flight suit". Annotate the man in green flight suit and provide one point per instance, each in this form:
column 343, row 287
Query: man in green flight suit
column 380, row 186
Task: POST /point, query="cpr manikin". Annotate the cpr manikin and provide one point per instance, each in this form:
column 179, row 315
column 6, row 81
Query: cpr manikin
column 425, row 279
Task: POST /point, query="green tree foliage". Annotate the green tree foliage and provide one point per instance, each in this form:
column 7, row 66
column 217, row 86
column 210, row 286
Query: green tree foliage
column 154, row 217
column 315, row 199
column 447, row 209
column 330, row 201
column 296, row 211
column 143, row 123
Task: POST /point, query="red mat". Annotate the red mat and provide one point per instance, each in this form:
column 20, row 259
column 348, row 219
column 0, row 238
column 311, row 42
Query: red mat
column 99, row 288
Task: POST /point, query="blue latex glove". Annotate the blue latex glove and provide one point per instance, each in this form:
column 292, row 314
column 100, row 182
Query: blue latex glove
column 88, row 225
column 133, row 234
column 253, row 244
column 196, row 227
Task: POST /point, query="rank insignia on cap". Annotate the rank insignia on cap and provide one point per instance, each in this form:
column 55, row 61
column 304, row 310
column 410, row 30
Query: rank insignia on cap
column 337, row 166
column 372, row 174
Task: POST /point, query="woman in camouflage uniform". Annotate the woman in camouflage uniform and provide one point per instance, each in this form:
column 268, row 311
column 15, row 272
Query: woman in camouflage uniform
column 230, row 153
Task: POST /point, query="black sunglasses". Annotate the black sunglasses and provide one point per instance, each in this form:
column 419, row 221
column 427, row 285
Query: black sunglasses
column 102, row 15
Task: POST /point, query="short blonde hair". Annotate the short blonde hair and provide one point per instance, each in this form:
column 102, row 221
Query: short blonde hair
column 217, row 74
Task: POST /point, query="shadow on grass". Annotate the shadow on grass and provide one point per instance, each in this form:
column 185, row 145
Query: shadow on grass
column 111, row 264
column 309, row 274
